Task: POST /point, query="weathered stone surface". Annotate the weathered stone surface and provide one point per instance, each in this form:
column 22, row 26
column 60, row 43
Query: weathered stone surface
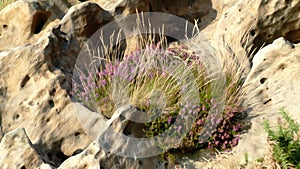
column 17, row 151
column 124, row 7
column 39, row 43
column 36, row 80
column 201, row 10
column 24, row 22
column 261, row 21
column 271, row 84
column 94, row 157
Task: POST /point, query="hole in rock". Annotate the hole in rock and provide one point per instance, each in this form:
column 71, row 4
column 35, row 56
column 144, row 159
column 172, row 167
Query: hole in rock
column 267, row 101
column 52, row 92
column 51, row 103
column 47, row 120
column 39, row 20
column 77, row 134
column 134, row 129
column 24, row 81
column 4, row 26
column 281, row 67
column 252, row 32
column 57, row 111
column 141, row 162
column 23, row 167
column 119, row 9
column 262, row 80
column 16, row 117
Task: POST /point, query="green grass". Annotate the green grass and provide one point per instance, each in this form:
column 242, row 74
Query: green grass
column 286, row 148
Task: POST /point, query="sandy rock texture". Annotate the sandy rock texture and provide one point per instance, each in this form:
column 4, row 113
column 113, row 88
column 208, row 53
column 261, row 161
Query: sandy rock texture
column 22, row 153
column 35, row 80
column 256, row 23
column 41, row 39
column 271, row 84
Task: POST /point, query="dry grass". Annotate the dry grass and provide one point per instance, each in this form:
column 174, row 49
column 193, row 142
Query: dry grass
column 4, row 3
column 226, row 160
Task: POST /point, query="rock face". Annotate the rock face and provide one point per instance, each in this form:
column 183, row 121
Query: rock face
column 261, row 21
column 31, row 19
column 18, row 152
column 271, row 85
column 35, row 80
column 41, row 39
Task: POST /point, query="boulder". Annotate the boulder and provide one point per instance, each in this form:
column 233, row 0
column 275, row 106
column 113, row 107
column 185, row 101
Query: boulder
column 270, row 85
column 17, row 151
column 254, row 23
column 25, row 21
column 36, row 81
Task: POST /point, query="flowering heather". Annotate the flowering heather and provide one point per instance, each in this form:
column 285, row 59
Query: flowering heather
column 149, row 81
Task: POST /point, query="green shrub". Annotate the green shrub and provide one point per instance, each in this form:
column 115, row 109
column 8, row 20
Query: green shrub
column 286, row 149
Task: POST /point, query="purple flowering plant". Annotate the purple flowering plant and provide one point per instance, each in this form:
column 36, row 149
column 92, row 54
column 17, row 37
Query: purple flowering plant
column 151, row 87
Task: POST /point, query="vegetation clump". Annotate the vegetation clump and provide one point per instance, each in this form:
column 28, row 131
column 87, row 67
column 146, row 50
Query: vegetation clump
column 153, row 80
column 286, row 142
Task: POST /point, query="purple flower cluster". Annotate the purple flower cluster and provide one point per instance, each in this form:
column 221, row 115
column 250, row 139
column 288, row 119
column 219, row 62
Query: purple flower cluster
column 221, row 127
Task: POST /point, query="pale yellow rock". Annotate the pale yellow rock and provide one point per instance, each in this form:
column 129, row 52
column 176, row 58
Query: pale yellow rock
column 17, row 151
column 271, row 84
column 36, row 81
column 25, row 21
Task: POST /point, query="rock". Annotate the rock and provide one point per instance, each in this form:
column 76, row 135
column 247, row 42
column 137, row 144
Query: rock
column 36, row 81
column 83, row 20
column 41, row 39
column 191, row 10
column 30, row 20
column 124, row 7
column 17, row 151
column 37, row 99
column 260, row 22
column 94, row 157
column 270, row 85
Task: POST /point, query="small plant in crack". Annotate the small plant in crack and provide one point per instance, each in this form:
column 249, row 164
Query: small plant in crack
column 286, row 139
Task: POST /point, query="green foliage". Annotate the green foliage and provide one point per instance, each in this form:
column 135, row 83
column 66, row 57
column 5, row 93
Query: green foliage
column 154, row 84
column 287, row 142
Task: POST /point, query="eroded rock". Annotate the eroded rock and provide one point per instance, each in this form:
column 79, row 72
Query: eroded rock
column 17, row 151
column 270, row 85
column 260, row 21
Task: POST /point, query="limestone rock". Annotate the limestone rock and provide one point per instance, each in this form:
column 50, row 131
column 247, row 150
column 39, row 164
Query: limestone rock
column 260, row 21
column 94, row 157
column 271, row 84
column 124, row 7
column 83, row 20
column 17, row 151
column 191, row 10
column 24, row 22
column 36, row 81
